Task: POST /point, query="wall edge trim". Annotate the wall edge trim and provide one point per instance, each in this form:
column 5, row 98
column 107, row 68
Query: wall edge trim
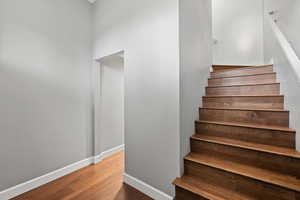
column 108, row 153
column 51, row 176
column 145, row 188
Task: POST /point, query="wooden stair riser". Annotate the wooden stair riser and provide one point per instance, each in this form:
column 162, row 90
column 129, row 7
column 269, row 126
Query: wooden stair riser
column 268, row 161
column 246, row 116
column 266, row 89
column 254, row 135
column 254, row 102
column 220, row 68
column 182, row 194
column 243, row 148
column 256, row 79
column 248, row 188
column 242, row 72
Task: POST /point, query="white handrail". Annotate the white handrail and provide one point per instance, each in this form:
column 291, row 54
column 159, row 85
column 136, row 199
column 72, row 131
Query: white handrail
column 287, row 48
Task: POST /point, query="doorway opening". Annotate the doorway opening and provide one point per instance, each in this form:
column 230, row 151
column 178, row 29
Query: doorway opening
column 109, row 126
column 109, row 106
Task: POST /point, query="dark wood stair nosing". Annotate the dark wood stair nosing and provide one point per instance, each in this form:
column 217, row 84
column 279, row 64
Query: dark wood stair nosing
column 219, row 96
column 239, row 67
column 242, row 66
column 248, row 125
column 252, row 148
column 246, row 75
column 239, row 172
column 242, row 71
column 244, row 85
column 245, row 109
column 195, row 190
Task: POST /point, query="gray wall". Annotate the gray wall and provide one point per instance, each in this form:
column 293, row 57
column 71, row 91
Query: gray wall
column 45, row 59
column 238, row 27
column 288, row 15
column 45, row 52
column 147, row 31
column 111, row 122
column 290, row 85
column 195, row 62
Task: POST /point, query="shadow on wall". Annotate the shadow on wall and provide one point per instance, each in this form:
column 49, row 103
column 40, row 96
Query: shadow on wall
column 289, row 83
column 289, row 87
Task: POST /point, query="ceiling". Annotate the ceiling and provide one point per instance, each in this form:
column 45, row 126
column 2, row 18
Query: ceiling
column 92, row 1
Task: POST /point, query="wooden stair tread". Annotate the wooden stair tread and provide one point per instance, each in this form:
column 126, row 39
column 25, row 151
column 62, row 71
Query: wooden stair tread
column 208, row 191
column 248, row 125
column 281, row 151
column 215, row 96
column 241, row 71
column 238, row 67
column 246, row 109
column 235, row 76
column 243, row 112
column 240, row 85
column 222, row 68
column 267, row 176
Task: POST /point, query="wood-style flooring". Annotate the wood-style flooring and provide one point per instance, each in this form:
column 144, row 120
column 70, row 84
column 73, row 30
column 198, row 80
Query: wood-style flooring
column 103, row 181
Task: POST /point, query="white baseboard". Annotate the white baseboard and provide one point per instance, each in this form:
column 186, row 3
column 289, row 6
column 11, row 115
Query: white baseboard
column 34, row 183
column 108, row 153
column 145, row 188
column 39, row 181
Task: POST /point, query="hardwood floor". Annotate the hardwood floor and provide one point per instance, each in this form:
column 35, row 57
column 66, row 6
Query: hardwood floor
column 103, row 181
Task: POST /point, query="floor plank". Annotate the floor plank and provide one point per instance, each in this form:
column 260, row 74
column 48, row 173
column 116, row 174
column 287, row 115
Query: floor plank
column 103, row 181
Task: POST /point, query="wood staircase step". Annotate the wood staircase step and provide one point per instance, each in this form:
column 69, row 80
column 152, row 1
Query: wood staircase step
column 229, row 67
column 183, row 194
column 258, row 134
column 249, row 109
column 292, row 153
column 243, row 75
column 267, row 176
column 248, row 125
column 214, row 184
column 243, row 148
column 244, row 101
column 255, row 116
column 246, row 79
column 204, row 191
column 242, row 71
column 234, row 67
column 279, row 164
column 246, row 89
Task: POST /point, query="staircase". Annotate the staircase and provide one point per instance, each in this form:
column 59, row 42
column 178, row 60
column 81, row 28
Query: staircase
column 243, row 148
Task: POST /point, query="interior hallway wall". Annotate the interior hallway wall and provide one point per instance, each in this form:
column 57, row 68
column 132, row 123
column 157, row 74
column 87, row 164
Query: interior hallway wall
column 45, row 61
column 238, row 29
column 289, row 83
column 288, row 14
column 195, row 32
column 147, row 31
